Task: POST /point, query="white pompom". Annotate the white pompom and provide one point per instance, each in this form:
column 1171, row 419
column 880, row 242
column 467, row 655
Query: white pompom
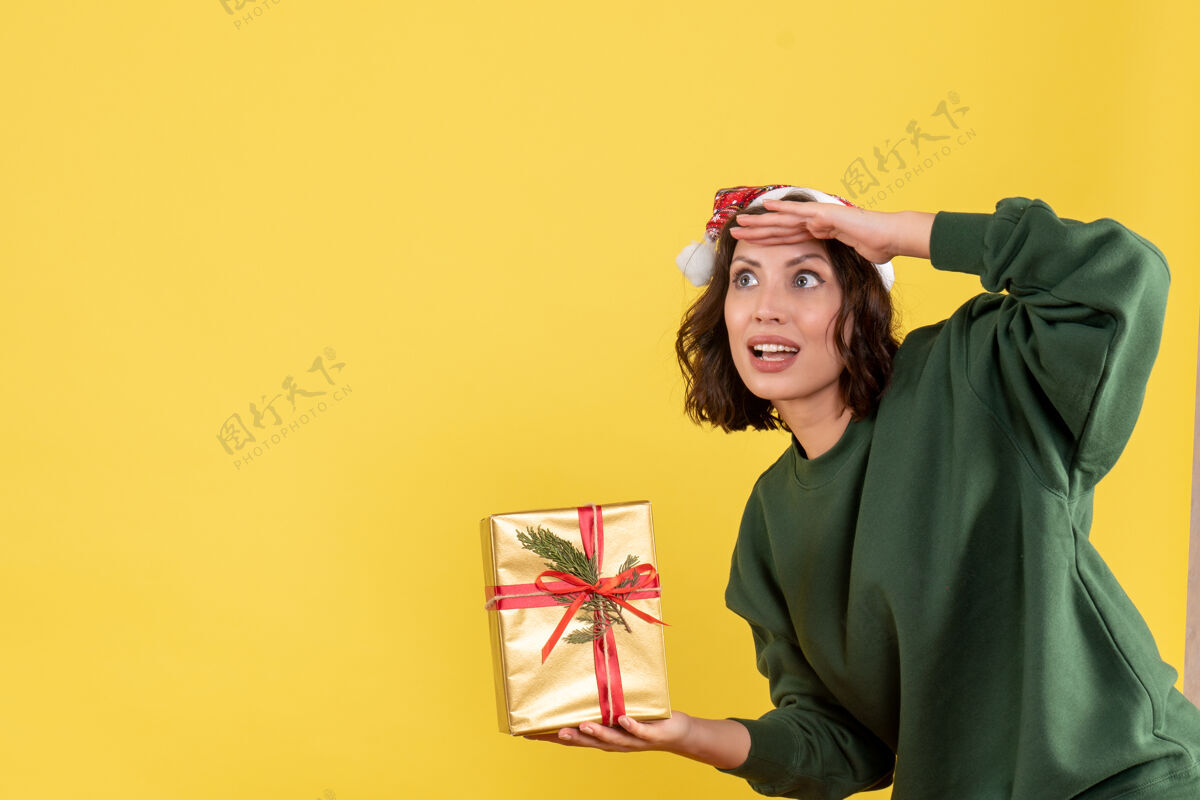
column 696, row 262
column 887, row 273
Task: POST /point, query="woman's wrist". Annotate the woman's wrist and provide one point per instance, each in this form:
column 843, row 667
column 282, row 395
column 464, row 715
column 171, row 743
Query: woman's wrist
column 913, row 229
column 721, row 743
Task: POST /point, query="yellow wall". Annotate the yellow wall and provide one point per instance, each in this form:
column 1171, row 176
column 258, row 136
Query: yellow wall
column 475, row 209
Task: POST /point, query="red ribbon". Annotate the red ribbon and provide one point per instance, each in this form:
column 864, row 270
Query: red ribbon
column 645, row 574
column 553, row 583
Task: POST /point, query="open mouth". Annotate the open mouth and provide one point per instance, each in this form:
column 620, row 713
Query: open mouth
column 774, row 352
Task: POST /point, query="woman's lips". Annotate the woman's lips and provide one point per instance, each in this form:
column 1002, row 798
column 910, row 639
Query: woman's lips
column 772, row 361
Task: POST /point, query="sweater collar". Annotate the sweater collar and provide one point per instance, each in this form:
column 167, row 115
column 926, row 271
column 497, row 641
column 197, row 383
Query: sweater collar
column 815, row 472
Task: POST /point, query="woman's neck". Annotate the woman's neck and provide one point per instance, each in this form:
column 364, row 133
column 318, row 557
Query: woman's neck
column 817, row 427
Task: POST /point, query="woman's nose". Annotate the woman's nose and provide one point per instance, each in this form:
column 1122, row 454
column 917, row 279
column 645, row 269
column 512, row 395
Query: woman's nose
column 769, row 307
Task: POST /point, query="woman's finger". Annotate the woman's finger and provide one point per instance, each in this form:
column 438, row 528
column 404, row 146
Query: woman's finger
column 613, row 736
column 754, row 234
column 780, row 226
column 581, row 738
column 780, row 240
column 761, row 237
column 565, row 736
column 770, row 218
column 798, row 206
column 774, row 220
column 805, row 234
column 640, row 730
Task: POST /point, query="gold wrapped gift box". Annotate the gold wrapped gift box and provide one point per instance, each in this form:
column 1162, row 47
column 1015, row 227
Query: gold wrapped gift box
column 609, row 657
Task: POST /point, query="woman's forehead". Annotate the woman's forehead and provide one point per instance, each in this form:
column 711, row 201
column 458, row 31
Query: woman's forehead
column 780, row 254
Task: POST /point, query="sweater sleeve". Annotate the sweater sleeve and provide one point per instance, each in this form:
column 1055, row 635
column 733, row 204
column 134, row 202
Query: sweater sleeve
column 808, row 746
column 1062, row 359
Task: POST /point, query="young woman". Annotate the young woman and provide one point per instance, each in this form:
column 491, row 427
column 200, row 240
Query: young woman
column 915, row 567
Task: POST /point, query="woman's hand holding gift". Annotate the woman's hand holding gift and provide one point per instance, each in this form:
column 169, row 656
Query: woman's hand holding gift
column 722, row 743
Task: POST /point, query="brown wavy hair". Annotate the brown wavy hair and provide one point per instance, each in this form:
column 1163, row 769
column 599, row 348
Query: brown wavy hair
column 715, row 392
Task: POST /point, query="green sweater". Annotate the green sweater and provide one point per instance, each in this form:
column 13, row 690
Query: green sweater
column 923, row 597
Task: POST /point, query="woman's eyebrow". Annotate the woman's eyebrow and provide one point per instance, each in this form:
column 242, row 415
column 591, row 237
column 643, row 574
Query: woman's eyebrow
column 791, row 262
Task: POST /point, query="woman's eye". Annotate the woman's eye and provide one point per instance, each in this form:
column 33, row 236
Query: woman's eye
column 806, row 279
column 744, row 279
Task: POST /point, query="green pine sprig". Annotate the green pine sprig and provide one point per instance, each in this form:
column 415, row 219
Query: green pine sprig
column 598, row 613
column 560, row 554
column 629, row 563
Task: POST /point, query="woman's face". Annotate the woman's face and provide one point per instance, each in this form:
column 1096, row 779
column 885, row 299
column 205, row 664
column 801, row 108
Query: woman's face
column 780, row 310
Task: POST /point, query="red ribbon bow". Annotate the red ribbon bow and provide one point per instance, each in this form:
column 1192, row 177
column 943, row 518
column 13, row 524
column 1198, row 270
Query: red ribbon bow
column 644, row 576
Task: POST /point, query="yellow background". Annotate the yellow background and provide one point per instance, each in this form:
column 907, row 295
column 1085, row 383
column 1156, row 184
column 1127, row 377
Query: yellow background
column 476, row 207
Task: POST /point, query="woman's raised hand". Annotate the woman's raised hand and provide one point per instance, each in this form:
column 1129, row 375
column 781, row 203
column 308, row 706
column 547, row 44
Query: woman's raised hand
column 877, row 236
